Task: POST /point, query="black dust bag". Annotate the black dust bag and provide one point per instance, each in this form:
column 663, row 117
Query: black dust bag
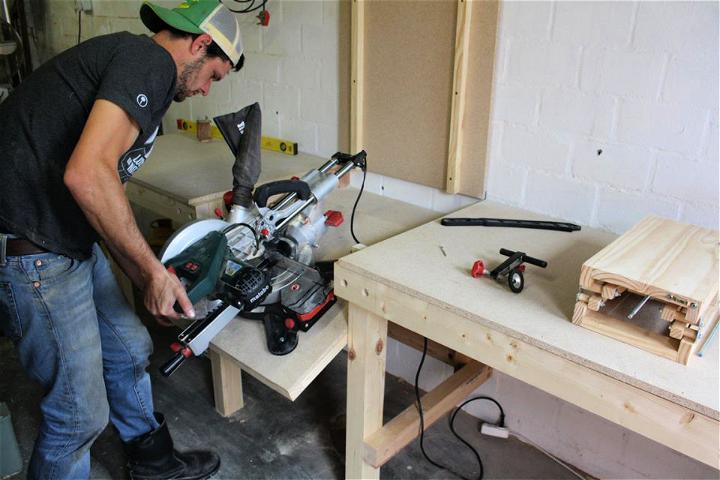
column 242, row 132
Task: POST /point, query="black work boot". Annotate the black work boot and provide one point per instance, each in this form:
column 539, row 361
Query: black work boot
column 152, row 457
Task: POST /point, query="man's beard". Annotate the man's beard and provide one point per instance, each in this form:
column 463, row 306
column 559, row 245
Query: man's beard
column 182, row 91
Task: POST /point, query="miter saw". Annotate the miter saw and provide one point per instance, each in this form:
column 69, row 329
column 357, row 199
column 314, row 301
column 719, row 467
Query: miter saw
column 262, row 267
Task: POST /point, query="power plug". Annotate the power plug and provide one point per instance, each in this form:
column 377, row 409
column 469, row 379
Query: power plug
column 493, row 430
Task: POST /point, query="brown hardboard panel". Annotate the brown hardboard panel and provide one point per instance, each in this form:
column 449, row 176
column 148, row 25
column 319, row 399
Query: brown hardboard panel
column 409, row 49
column 476, row 120
column 408, row 66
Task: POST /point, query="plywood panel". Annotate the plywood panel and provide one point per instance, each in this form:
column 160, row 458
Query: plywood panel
column 409, row 49
column 406, row 90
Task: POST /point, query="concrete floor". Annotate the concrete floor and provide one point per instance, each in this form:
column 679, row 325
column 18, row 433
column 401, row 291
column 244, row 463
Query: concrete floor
column 275, row 438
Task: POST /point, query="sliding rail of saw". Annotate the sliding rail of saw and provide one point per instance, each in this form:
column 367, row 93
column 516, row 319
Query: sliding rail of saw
column 212, row 259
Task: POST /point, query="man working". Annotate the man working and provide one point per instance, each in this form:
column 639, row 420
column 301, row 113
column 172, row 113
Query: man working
column 74, row 132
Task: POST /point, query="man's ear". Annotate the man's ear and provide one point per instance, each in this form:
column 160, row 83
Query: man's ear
column 200, row 44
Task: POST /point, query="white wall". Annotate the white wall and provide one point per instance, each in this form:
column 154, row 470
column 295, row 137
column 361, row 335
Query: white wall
column 637, row 80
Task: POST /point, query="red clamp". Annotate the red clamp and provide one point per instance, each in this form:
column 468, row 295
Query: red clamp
column 264, row 18
column 333, row 218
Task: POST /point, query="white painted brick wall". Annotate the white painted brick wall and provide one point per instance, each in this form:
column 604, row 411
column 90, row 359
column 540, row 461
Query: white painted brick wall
column 637, row 80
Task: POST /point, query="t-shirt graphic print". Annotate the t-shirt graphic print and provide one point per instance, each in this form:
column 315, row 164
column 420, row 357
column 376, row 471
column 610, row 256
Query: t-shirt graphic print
column 135, row 157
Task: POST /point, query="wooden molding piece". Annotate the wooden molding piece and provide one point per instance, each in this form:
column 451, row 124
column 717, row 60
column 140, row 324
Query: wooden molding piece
column 382, row 445
column 457, row 112
column 357, row 62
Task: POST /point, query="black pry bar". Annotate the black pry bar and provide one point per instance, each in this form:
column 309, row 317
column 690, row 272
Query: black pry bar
column 511, row 223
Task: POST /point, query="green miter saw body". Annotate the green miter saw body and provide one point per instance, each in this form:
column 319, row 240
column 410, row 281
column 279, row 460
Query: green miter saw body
column 262, row 268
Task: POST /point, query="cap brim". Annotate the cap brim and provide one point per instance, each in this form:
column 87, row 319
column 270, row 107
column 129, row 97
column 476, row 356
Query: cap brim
column 157, row 18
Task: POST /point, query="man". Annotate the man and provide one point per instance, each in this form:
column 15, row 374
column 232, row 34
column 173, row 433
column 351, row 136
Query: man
column 73, row 133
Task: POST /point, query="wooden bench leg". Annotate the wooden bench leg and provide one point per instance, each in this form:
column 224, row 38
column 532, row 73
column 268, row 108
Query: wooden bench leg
column 227, row 383
column 367, row 339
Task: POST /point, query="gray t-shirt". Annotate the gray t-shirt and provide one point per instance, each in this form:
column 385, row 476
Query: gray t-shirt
column 42, row 122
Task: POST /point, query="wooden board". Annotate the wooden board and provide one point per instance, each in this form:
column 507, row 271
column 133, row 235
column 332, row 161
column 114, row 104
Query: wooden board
column 540, row 315
column 476, row 120
column 408, row 50
column 244, row 342
column 670, row 261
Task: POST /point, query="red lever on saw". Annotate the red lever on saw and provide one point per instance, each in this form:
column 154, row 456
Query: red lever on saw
column 333, row 218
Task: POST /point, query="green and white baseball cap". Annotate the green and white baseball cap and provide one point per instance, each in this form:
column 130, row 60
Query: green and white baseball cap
column 198, row 16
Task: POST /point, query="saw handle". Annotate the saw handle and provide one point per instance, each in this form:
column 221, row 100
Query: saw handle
column 171, row 365
column 267, row 190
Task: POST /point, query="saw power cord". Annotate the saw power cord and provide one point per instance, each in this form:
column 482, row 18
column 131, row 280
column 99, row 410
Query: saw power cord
column 352, row 216
column 501, row 421
column 499, row 425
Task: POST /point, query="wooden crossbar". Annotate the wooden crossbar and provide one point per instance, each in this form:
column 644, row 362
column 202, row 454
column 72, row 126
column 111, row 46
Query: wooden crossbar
column 382, row 445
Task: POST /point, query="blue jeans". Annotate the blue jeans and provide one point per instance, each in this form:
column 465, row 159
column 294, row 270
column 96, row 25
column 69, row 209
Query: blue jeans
column 76, row 334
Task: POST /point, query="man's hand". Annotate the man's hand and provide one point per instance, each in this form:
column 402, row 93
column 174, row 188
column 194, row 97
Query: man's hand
column 162, row 291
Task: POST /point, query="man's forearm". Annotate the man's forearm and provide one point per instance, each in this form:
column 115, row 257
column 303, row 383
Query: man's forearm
column 103, row 201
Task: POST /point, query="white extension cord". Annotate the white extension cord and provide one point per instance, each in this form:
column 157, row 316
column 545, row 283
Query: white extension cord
column 492, row 430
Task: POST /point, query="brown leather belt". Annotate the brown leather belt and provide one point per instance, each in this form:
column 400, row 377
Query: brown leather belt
column 17, row 247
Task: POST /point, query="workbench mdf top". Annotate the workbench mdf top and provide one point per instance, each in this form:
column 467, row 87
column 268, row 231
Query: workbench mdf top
column 193, row 172
column 414, row 263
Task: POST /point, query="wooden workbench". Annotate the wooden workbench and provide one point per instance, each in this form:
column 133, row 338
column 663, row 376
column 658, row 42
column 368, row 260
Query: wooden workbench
column 184, row 180
column 408, row 281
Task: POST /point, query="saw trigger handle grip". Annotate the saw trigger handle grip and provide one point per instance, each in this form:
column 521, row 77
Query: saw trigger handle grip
column 171, row 365
column 267, row 190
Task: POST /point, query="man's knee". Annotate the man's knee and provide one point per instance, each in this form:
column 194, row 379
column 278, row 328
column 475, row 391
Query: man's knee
column 141, row 346
column 93, row 421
